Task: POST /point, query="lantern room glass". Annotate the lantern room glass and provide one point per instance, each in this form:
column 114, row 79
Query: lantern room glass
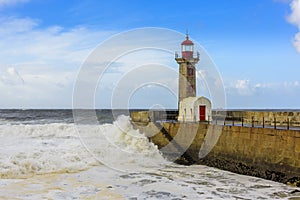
column 187, row 47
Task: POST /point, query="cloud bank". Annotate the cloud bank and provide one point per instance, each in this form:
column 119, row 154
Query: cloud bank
column 245, row 93
column 38, row 66
column 294, row 18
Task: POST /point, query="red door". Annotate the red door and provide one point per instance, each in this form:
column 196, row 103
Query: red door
column 202, row 113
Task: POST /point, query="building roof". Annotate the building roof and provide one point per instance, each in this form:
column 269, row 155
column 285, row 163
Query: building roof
column 187, row 41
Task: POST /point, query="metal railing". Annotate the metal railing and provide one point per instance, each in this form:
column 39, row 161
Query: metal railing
column 225, row 120
column 259, row 123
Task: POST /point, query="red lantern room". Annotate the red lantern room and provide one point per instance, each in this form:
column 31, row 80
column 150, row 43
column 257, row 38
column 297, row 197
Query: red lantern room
column 187, row 48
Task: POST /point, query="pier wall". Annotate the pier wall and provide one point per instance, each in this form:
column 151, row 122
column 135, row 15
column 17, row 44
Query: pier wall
column 259, row 118
column 267, row 153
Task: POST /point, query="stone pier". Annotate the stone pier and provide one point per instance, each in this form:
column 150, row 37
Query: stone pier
column 262, row 152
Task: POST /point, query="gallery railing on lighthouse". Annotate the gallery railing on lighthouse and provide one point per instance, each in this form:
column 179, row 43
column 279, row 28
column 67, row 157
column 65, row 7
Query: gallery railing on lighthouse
column 195, row 55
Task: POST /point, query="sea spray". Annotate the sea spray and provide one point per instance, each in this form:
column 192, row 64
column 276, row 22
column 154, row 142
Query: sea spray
column 121, row 147
column 54, row 150
column 27, row 150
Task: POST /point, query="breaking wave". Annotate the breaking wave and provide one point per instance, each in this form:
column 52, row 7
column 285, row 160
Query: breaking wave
column 27, row 150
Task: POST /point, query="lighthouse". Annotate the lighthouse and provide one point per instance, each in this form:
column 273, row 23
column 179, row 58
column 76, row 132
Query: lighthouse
column 187, row 70
column 191, row 108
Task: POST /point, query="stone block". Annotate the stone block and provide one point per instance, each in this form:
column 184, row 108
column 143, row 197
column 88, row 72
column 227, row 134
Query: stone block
column 141, row 116
column 297, row 145
column 246, row 136
column 290, row 143
column 289, row 133
column 297, row 134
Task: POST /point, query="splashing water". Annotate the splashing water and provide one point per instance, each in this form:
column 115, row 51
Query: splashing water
column 36, row 161
column 56, row 148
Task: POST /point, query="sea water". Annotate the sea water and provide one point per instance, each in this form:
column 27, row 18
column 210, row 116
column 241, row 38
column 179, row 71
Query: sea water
column 42, row 156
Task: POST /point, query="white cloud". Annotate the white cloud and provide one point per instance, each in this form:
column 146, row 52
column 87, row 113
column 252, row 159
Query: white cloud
column 295, row 15
column 245, row 87
column 11, row 25
column 294, row 18
column 296, row 41
column 41, row 63
column 4, row 3
column 242, row 84
column 22, row 41
column 10, row 76
column 247, row 94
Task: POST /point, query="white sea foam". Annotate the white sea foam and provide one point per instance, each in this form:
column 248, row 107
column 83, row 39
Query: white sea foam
column 37, row 149
column 121, row 147
column 53, row 150
column 56, row 148
column 172, row 182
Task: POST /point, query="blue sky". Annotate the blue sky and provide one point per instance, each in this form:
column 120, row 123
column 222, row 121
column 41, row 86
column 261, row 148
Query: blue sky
column 255, row 45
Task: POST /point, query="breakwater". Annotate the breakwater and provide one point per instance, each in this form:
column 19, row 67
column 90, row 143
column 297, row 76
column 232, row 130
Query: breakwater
column 268, row 153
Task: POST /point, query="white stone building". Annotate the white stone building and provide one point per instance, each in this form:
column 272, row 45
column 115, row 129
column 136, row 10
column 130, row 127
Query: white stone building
column 195, row 109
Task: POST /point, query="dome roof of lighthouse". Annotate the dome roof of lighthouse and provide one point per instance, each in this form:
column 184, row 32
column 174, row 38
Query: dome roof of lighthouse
column 187, row 41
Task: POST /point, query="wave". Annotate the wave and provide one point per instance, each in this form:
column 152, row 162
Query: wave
column 121, row 147
column 28, row 150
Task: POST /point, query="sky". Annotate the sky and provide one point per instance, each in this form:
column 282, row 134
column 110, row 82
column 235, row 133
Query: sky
column 254, row 45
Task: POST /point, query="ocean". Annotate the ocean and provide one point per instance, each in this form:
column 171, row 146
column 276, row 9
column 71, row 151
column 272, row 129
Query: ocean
column 43, row 156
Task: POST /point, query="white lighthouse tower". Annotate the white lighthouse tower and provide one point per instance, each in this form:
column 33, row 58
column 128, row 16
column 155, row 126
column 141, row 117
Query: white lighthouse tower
column 191, row 108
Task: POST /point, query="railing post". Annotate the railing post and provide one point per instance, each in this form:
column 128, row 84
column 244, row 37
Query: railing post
column 288, row 123
column 274, row 122
column 252, row 121
column 242, row 121
column 232, row 121
column 263, row 122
